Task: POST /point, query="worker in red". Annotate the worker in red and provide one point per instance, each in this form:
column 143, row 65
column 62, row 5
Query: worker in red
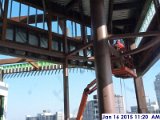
column 119, row 45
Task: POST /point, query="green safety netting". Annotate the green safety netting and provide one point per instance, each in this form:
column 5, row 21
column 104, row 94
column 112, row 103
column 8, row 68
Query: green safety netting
column 26, row 65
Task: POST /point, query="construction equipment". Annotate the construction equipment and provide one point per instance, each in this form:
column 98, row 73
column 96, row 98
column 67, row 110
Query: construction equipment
column 122, row 71
column 88, row 90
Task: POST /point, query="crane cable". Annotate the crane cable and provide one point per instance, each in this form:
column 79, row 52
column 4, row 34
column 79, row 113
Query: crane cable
column 125, row 95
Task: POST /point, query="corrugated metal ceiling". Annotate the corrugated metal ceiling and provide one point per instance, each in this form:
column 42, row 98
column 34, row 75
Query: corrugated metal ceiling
column 121, row 14
column 85, row 5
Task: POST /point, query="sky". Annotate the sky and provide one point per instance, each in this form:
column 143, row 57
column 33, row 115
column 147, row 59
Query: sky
column 31, row 94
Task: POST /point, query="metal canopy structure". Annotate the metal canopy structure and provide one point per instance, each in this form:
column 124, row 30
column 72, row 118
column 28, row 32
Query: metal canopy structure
column 31, row 36
column 123, row 17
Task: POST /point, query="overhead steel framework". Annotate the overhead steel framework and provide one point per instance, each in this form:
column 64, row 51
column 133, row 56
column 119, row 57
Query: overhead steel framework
column 32, row 37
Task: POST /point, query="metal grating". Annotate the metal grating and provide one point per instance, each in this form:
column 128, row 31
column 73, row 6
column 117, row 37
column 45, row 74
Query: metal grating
column 122, row 14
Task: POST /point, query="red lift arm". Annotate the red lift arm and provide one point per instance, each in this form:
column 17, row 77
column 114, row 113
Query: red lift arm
column 88, row 90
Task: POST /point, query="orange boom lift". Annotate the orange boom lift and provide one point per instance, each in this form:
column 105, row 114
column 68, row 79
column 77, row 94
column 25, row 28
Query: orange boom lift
column 88, row 90
column 122, row 71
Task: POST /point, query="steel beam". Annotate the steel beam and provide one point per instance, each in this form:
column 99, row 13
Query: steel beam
column 143, row 48
column 102, row 58
column 112, row 50
column 14, row 60
column 71, row 4
column 139, row 22
column 58, row 10
column 41, row 31
column 134, row 35
column 80, row 58
column 31, row 49
column 124, row 22
column 122, row 6
column 31, row 18
column 150, row 64
column 82, row 48
column 140, row 95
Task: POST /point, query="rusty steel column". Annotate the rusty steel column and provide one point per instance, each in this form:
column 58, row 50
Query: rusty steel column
column 50, row 37
column 4, row 14
column 102, row 58
column 140, row 95
column 65, row 75
column 66, row 90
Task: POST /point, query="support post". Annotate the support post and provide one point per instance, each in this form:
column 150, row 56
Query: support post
column 140, row 95
column 83, row 29
column 4, row 26
column 49, row 21
column 83, row 37
column 1, row 75
column 66, row 90
column 65, row 75
column 1, row 97
column 102, row 58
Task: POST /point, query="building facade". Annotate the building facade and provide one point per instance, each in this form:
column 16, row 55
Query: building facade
column 151, row 106
column 119, row 104
column 134, row 109
column 157, row 88
column 46, row 115
column 3, row 97
column 91, row 112
column 28, row 117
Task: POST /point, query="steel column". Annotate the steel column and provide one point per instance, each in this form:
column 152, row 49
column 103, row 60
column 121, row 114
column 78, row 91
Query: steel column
column 83, row 37
column 1, row 97
column 102, row 58
column 66, row 90
column 65, row 75
column 1, row 75
column 140, row 95
column 49, row 21
column 4, row 26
